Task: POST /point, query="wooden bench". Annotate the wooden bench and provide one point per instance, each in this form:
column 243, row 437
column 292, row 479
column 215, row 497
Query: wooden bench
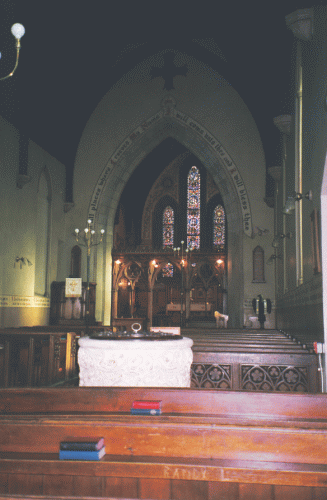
column 33, row 357
column 253, row 361
column 206, row 445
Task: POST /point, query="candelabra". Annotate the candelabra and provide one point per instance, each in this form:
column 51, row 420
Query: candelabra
column 18, row 31
column 89, row 239
column 183, row 264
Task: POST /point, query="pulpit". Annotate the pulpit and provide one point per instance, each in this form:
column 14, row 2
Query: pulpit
column 70, row 310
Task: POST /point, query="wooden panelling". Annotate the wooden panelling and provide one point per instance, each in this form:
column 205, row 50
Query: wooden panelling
column 293, row 493
column 192, row 490
column 59, row 484
column 222, row 491
column 88, row 486
column 267, row 361
column 36, row 358
column 30, row 484
column 160, row 489
column 121, row 487
column 256, row 492
column 319, row 493
column 3, row 483
column 56, row 497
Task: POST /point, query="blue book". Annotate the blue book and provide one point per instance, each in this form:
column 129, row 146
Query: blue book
column 145, row 411
column 81, row 455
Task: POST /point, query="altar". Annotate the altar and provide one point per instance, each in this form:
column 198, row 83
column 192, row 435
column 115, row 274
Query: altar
column 194, row 307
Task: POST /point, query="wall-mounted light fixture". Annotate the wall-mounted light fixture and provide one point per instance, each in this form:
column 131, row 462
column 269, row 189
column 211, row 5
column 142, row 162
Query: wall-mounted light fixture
column 289, row 206
column 290, row 202
column 281, row 236
column 272, row 258
column 299, row 196
column 22, row 261
column 18, row 31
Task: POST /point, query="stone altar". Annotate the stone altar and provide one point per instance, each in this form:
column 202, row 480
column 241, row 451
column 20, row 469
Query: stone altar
column 135, row 362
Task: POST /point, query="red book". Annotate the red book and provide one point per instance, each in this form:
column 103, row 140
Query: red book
column 148, row 405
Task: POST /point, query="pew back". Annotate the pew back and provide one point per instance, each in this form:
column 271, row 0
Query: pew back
column 206, row 444
column 36, row 358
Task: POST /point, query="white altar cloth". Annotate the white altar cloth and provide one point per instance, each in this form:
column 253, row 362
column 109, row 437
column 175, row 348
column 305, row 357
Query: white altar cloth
column 135, row 363
column 194, row 306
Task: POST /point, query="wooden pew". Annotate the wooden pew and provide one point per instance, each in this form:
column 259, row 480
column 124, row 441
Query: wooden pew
column 47, row 497
column 206, row 445
column 34, row 357
column 253, row 361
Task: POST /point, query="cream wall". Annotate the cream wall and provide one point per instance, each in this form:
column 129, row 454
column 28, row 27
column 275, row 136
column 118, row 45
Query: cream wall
column 205, row 97
column 19, row 305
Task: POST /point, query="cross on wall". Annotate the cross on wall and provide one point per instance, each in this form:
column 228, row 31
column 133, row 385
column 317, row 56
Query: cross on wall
column 169, row 71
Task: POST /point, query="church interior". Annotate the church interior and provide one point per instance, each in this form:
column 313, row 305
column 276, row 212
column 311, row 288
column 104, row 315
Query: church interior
column 164, row 171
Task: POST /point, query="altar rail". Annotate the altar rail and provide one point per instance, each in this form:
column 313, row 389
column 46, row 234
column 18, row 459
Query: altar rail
column 206, row 445
column 36, row 358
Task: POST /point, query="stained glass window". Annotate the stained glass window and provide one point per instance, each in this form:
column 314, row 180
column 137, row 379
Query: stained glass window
column 168, row 271
column 168, row 227
column 219, row 226
column 193, row 208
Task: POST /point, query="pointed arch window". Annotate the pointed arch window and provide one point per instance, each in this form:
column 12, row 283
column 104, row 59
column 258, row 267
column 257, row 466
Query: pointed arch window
column 258, row 265
column 168, row 237
column 219, row 224
column 168, row 227
column 168, row 270
column 193, row 208
column 75, row 262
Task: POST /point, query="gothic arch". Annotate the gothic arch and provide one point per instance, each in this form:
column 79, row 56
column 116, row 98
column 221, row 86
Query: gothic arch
column 105, row 213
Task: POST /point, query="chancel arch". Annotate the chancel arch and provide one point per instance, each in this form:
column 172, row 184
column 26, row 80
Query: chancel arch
column 188, row 115
column 212, row 164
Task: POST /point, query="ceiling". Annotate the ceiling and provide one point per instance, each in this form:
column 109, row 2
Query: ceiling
column 73, row 52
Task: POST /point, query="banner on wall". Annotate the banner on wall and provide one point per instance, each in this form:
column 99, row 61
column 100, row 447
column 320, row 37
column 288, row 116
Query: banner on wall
column 73, row 287
column 23, row 301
